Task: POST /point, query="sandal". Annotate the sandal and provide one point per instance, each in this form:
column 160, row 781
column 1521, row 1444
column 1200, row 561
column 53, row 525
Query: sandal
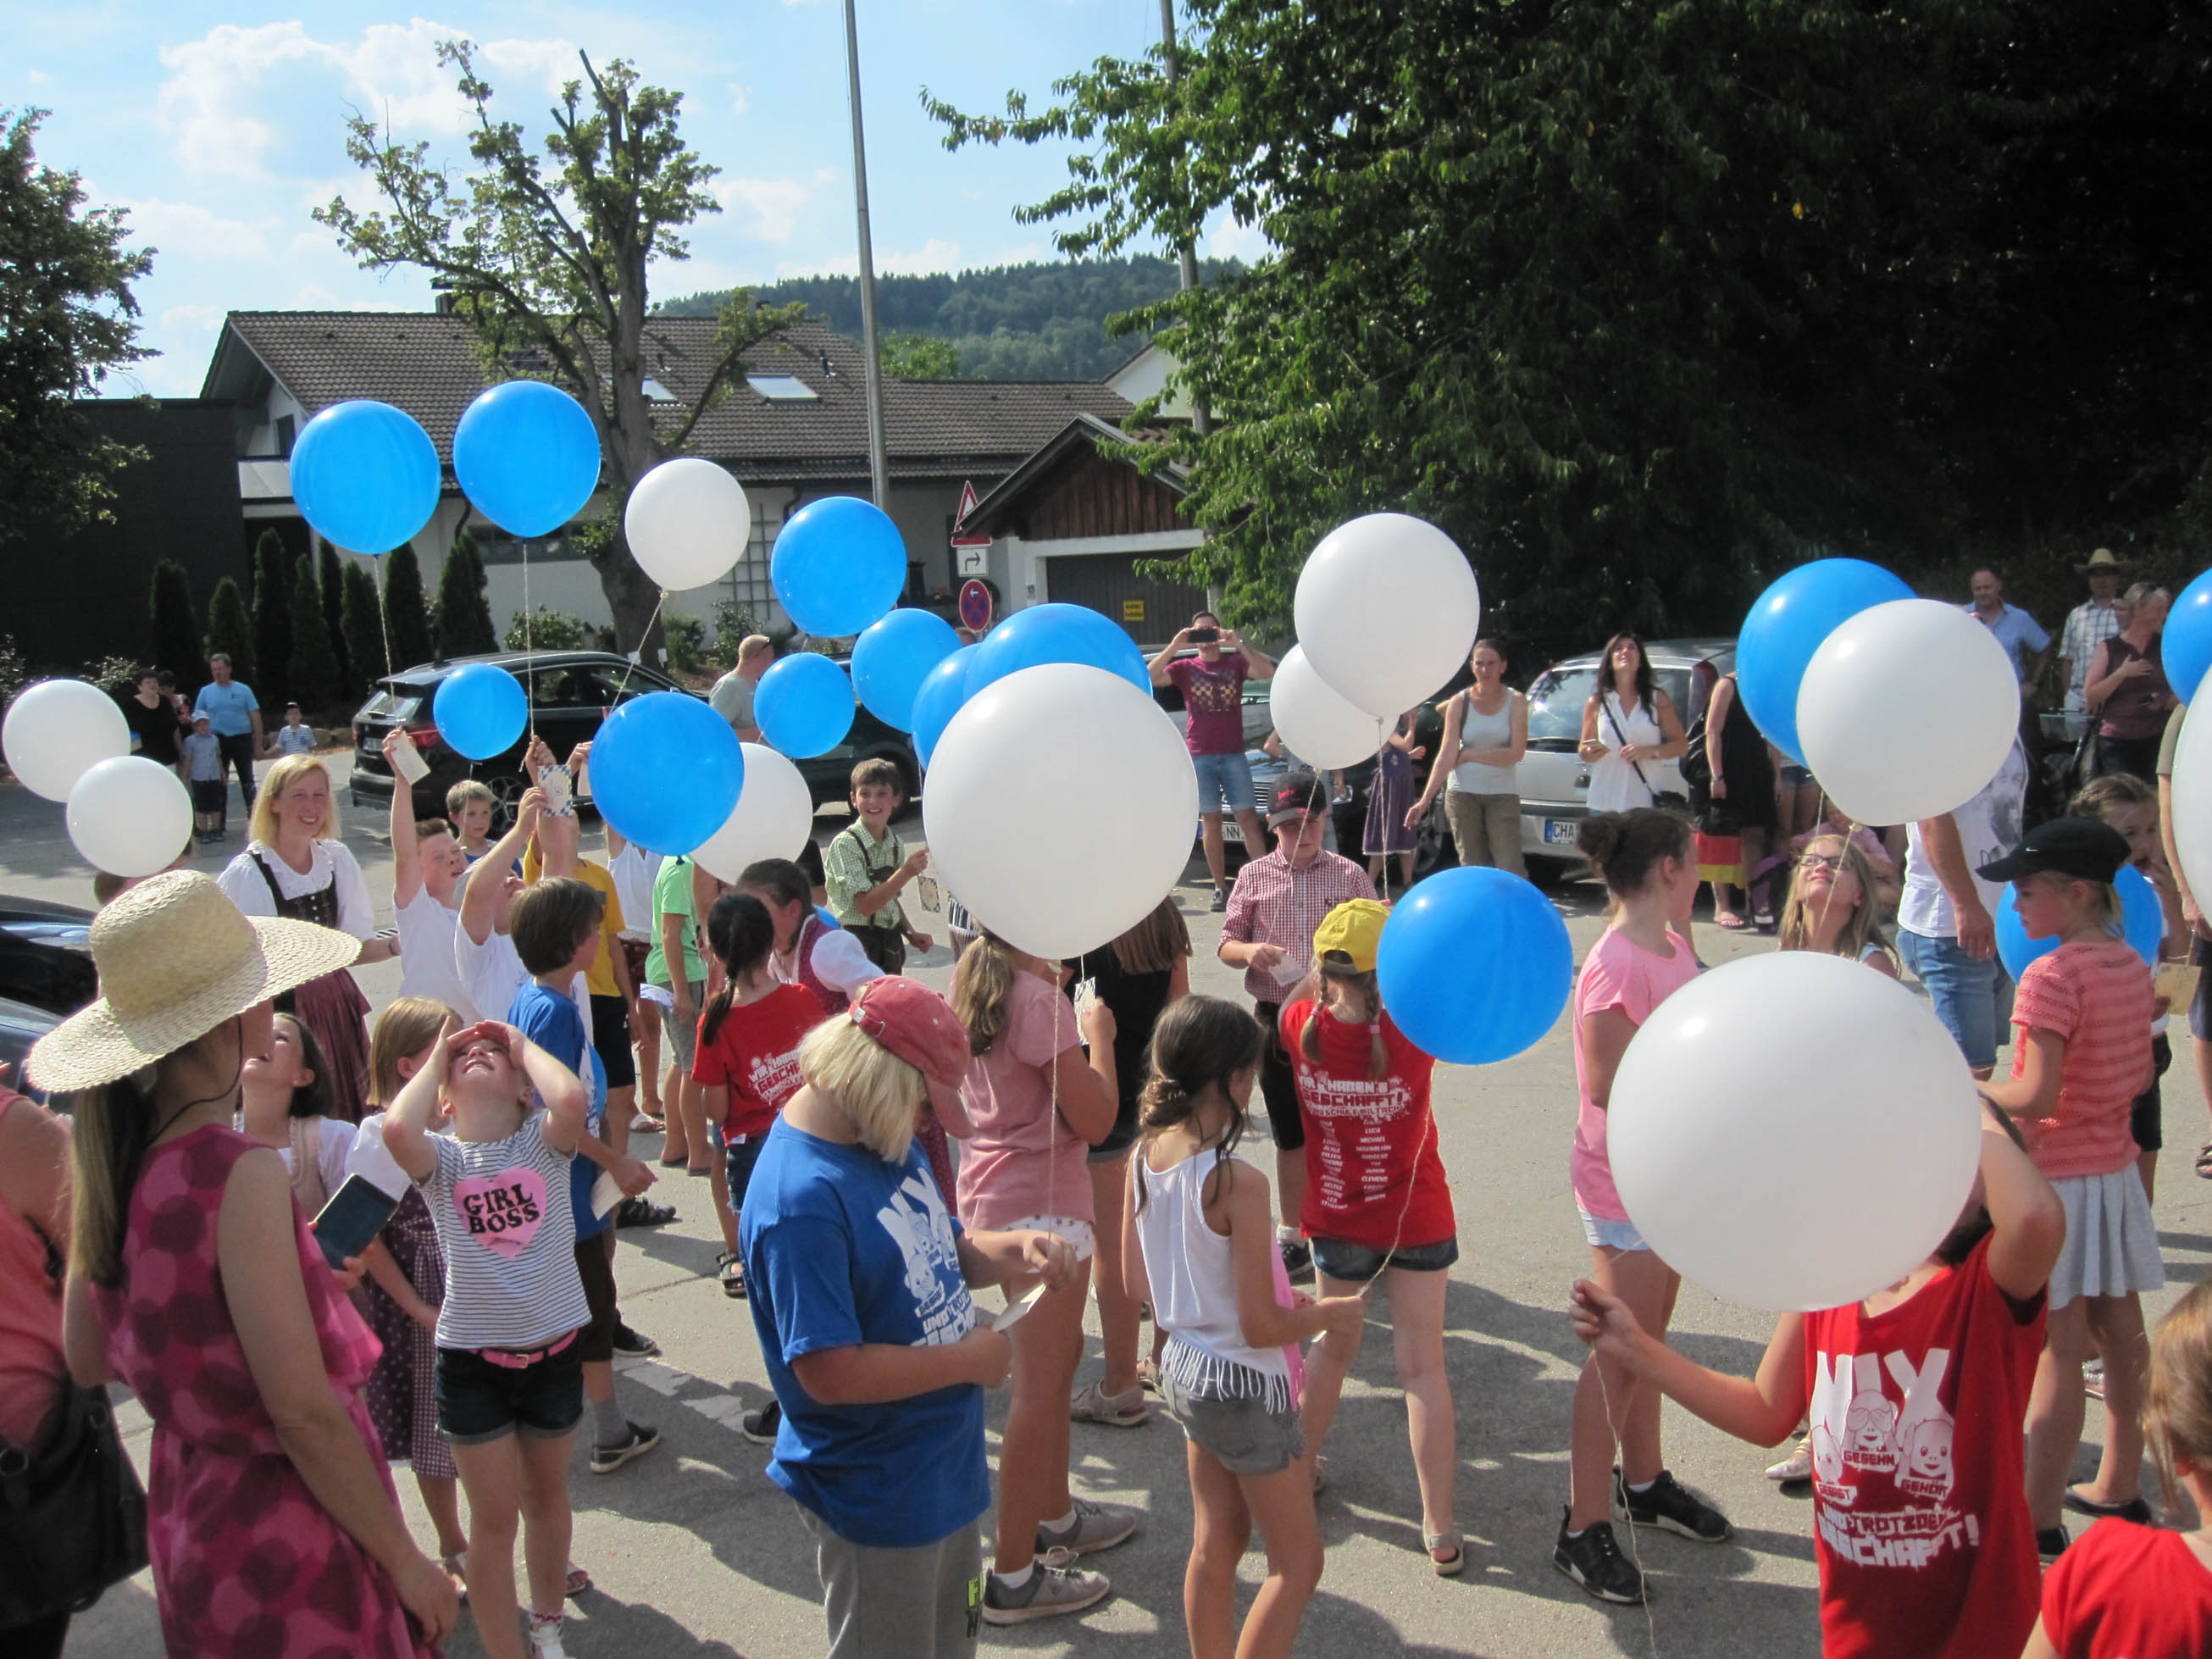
column 456, row 1567
column 1451, row 1564
column 732, row 1272
column 2204, row 1160
column 643, row 1212
column 579, row 1580
column 1148, row 1377
column 1730, row 919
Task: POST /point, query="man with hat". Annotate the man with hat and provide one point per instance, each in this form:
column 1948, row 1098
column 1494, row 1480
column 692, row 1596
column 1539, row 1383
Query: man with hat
column 2087, row 626
column 1274, row 910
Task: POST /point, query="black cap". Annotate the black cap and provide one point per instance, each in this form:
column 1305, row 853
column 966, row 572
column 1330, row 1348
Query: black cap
column 2082, row 848
column 1297, row 795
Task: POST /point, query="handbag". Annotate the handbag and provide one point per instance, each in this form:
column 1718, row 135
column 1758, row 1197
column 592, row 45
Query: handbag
column 1696, row 766
column 1671, row 801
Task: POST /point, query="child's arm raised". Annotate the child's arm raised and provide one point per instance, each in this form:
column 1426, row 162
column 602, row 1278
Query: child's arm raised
column 1765, row 1410
column 2027, row 1222
column 566, row 1098
column 480, row 899
column 407, row 1125
column 1240, row 1197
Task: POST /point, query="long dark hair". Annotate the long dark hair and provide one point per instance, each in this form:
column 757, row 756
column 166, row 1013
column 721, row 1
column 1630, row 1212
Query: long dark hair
column 312, row 1097
column 1198, row 1041
column 1623, row 847
column 741, row 933
column 1647, row 694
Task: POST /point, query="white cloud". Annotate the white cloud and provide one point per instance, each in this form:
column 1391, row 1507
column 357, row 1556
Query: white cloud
column 38, row 77
column 825, row 175
column 767, row 209
column 185, row 230
column 1228, row 239
column 933, row 256
column 741, row 98
column 204, row 319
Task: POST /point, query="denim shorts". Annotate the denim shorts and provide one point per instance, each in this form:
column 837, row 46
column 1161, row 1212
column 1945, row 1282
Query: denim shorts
column 741, row 1155
column 1605, row 1235
column 479, row 1401
column 1971, row 998
column 1224, row 783
column 683, row 1035
column 1337, row 1258
column 1244, row 1435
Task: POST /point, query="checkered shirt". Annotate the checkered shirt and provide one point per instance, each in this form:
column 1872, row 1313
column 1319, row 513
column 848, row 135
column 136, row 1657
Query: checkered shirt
column 1275, row 904
column 2087, row 626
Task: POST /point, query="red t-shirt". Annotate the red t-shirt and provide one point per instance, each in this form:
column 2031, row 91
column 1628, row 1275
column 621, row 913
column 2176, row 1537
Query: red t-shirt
column 1920, row 1513
column 1214, row 696
column 1370, row 1142
column 755, row 1056
column 2128, row 1592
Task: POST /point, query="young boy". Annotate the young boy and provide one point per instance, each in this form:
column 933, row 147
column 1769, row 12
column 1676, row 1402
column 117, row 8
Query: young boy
column 295, row 736
column 204, row 766
column 469, row 807
column 868, row 867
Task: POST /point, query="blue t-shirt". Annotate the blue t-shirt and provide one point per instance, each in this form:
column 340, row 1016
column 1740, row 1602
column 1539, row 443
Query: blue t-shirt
column 549, row 1019
column 843, row 1248
column 2021, row 635
column 230, row 709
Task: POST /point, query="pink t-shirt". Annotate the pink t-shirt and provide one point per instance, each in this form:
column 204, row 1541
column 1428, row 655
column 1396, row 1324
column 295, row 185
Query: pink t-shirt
column 1618, row 974
column 2097, row 997
column 1021, row 1157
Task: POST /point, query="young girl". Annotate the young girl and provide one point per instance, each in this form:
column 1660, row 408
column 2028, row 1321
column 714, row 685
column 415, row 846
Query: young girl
column 1391, row 827
column 1915, row 1395
column 284, row 1101
column 1644, row 856
column 2131, row 1589
column 1198, row 1241
column 1024, row 1170
column 1378, row 1203
column 2082, row 1056
column 510, row 1379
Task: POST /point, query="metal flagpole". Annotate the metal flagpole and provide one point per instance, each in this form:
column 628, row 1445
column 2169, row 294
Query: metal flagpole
column 879, row 470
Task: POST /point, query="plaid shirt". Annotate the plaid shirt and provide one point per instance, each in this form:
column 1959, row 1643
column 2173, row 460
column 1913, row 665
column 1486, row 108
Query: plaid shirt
column 1275, row 904
column 2087, row 626
column 845, row 868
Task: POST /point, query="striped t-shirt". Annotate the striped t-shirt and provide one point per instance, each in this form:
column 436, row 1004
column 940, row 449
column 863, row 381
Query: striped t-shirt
column 2097, row 995
column 509, row 1239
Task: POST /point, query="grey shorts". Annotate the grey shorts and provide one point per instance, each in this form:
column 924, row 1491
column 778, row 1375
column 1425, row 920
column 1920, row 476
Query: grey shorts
column 684, row 1035
column 1244, row 1435
column 925, row 1603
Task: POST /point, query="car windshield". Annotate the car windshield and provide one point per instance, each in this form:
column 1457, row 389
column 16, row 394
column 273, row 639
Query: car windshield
column 1557, row 700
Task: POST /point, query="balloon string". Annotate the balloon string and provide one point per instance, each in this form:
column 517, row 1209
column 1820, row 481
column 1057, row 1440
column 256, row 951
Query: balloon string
column 630, row 662
column 528, row 663
column 1619, row 1459
column 384, row 619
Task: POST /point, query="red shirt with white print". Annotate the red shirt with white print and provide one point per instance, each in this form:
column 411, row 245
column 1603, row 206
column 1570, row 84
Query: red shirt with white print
column 1920, row 1513
column 755, row 1056
column 1373, row 1174
column 2128, row 1592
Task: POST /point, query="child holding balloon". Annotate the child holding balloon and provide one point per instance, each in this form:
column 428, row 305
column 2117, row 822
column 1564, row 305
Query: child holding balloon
column 2082, row 1056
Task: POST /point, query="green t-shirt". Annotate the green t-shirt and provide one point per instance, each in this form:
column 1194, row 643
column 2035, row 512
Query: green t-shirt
column 671, row 897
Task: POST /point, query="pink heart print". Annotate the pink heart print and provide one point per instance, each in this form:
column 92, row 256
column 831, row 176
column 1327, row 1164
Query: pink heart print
column 502, row 1211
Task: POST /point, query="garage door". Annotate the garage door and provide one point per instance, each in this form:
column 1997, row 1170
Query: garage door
column 1151, row 611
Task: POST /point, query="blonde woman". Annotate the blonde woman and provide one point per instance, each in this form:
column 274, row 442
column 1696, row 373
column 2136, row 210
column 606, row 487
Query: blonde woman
column 295, row 867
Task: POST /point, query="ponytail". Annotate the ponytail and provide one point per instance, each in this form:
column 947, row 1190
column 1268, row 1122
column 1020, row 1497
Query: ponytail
column 983, row 988
column 1624, row 848
column 1335, row 969
column 741, row 933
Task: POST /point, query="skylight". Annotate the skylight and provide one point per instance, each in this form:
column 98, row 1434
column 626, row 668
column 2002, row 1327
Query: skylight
column 782, row 388
column 657, row 394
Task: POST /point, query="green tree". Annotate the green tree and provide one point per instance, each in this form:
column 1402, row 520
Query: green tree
column 230, row 629
column 550, row 255
column 364, row 629
column 174, row 625
column 67, row 322
column 272, row 620
column 316, row 686
column 330, row 581
column 548, row 631
column 464, row 611
column 406, row 613
column 920, row 357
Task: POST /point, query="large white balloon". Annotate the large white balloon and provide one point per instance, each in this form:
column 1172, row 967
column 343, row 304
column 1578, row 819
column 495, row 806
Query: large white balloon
column 2192, row 797
column 687, row 523
column 1907, row 710
column 1317, row 724
column 1793, row 1131
column 130, row 815
column 1059, row 808
column 773, row 818
column 58, row 729
column 1387, row 611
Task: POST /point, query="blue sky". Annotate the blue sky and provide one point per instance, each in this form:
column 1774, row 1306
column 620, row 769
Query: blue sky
column 220, row 130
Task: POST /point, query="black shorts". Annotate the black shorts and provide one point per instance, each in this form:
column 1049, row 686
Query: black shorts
column 1279, row 1085
column 809, row 860
column 208, row 795
column 2200, row 1005
column 596, row 1340
column 610, row 1038
column 479, row 1401
column 2146, row 1121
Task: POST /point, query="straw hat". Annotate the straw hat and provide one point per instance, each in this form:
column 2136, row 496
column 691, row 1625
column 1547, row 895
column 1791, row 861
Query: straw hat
column 2104, row 559
column 176, row 959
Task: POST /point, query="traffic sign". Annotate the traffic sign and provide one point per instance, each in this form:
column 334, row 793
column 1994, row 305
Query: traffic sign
column 960, row 517
column 975, row 605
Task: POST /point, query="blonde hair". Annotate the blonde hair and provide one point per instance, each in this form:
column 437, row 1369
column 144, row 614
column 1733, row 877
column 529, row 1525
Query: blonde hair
column 881, row 1093
column 1155, row 944
column 2141, row 590
column 1864, row 928
column 2177, row 1409
column 404, row 1030
column 466, row 794
column 982, row 987
column 274, row 782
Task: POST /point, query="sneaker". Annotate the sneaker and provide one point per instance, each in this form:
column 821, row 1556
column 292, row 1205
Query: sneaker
column 641, row 1211
column 1221, row 900
column 646, row 1124
column 2092, row 1376
column 1594, row 1561
column 1667, row 1502
column 1298, row 1258
column 2050, row 1542
column 1054, row 1587
column 1093, row 1404
column 545, row 1636
column 605, row 1459
column 760, row 1427
column 2136, row 1509
column 631, row 1346
column 1798, row 1466
column 1095, row 1527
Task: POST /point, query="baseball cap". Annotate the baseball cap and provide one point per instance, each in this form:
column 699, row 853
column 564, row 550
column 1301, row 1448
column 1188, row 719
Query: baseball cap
column 2082, row 848
column 1299, row 794
column 1355, row 928
column 913, row 1022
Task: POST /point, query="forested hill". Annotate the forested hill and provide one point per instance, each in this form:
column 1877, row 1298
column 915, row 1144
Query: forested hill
column 1032, row 322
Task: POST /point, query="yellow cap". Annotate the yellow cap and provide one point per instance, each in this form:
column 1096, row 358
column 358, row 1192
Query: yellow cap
column 1354, row 927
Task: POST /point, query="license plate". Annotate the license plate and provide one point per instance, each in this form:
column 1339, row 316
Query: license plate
column 1560, row 832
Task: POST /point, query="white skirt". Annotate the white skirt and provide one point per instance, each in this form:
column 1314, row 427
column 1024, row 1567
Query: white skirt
column 2111, row 1242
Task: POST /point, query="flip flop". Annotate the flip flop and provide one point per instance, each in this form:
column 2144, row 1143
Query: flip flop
column 1730, row 919
column 2204, row 1160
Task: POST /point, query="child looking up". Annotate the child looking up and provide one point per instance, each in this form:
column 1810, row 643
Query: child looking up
column 284, row 1101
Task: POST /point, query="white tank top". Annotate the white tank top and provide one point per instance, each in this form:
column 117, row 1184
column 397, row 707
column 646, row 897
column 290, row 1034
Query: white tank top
column 1480, row 731
column 1195, row 1289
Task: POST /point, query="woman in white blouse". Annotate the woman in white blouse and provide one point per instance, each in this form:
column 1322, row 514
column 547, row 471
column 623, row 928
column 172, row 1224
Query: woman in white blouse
column 1629, row 725
column 295, row 866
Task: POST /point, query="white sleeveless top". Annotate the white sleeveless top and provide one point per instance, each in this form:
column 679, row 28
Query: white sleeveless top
column 1194, row 1290
column 1480, row 731
column 1614, row 786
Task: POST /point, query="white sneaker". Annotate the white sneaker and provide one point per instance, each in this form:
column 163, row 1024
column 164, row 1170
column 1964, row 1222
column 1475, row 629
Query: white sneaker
column 545, row 1638
column 1798, row 1466
column 1054, row 1587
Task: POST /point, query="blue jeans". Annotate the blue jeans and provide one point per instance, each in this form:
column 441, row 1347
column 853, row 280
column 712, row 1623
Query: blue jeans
column 1971, row 998
column 1224, row 783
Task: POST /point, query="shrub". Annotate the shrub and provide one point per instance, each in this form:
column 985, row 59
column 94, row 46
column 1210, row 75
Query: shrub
column 548, row 631
column 687, row 643
column 14, row 674
column 175, row 626
column 117, row 675
column 406, row 613
column 230, row 630
column 315, row 682
column 272, row 620
column 364, row 629
column 331, row 578
column 464, row 613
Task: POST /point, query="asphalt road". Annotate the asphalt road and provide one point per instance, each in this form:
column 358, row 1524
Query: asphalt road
column 694, row 1552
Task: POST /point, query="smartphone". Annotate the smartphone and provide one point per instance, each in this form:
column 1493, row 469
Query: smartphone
column 351, row 1220
column 407, row 760
column 560, row 795
column 1204, row 635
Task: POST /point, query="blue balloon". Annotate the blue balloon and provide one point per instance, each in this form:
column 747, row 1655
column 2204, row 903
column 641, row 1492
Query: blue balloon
column 480, row 710
column 839, row 565
column 1058, row 633
column 804, row 706
column 943, row 693
column 527, row 455
column 892, row 659
column 1785, row 627
column 1475, row 965
column 665, row 771
column 2142, row 923
column 2185, row 652
column 366, row 476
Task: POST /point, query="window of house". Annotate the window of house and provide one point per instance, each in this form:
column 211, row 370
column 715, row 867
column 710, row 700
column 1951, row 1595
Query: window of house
column 748, row 582
column 287, row 427
column 657, row 394
column 780, row 388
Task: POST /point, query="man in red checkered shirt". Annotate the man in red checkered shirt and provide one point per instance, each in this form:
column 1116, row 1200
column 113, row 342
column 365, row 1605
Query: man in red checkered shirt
column 1277, row 903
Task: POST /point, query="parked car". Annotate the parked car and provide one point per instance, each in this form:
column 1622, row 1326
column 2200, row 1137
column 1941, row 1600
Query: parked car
column 45, row 956
column 21, row 1026
column 1554, row 780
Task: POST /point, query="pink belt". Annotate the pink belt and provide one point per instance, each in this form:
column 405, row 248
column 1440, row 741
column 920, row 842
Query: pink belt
column 514, row 1362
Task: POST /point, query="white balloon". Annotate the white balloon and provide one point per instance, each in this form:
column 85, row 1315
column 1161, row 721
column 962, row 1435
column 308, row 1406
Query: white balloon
column 130, row 815
column 1907, row 710
column 1794, row 1131
column 1317, row 723
column 1387, row 610
column 687, row 523
column 56, row 730
column 2192, row 797
column 773, row 818
column 1060, row 806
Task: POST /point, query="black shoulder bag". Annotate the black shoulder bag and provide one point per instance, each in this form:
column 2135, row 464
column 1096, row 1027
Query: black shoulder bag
column 1672, row 800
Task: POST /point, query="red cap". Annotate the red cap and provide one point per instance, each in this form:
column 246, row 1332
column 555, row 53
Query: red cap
column 913, row 1022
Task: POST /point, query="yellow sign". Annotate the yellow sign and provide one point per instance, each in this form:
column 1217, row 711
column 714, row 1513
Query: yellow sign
column 1132, row 610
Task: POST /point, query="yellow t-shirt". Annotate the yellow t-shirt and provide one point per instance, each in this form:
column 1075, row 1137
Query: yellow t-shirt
column 599, row 980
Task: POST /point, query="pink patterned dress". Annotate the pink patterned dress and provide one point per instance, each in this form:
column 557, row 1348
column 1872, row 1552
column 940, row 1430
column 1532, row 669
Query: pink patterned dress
column 245, row 1562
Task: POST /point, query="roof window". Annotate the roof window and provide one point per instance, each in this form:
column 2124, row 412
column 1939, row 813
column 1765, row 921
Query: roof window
column 781, row 388
column 657, row 394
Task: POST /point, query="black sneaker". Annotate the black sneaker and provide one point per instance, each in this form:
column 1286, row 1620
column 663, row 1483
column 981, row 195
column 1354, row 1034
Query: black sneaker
column 631, row 1346
column 1298, row 1258
column 2050, row 1542
column 760, row 1427
column 605, row 1459
column 1594, row 1561
column 1667, row 1502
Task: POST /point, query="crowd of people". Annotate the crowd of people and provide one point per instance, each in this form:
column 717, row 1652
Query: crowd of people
column 1055, row 1130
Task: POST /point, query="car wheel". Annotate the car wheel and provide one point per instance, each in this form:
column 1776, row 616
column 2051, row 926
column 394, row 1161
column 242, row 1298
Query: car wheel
column 507, row 788
column 1433, row 846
